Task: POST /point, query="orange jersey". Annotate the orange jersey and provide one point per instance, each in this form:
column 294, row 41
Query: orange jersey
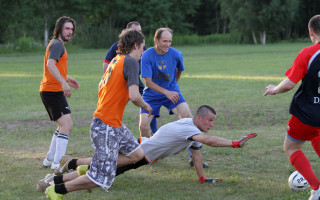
column 49, row 83
column 113, row 94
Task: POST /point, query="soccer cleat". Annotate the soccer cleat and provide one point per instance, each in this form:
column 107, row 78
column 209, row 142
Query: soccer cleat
column 315, row 194
column 63, row 165
column 204, row 164
column 46, row 182
column 54, row 166
column 51, row 194
column 82, row 169
column 46, row 162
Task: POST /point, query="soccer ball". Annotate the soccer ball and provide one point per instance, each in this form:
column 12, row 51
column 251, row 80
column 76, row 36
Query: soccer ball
column 297, row 182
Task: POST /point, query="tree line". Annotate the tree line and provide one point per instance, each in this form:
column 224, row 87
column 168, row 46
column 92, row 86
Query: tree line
column 100, row 21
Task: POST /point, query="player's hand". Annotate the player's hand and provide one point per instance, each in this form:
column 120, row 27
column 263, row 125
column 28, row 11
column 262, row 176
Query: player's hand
column 73, row 83
column 66, row 89
column 269, row 90
column 148, row 108
column 243, row 141
column 203, row 179
column 173, row 96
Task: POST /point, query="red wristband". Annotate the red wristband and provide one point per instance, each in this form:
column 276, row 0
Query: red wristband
column 235, row 144
column 202, row 179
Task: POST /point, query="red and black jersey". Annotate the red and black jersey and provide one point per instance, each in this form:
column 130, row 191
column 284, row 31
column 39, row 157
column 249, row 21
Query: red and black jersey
column 305, row 104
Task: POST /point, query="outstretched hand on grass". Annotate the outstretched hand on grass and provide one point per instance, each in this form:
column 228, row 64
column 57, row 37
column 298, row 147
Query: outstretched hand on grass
column 243, row 141
column 203, row 179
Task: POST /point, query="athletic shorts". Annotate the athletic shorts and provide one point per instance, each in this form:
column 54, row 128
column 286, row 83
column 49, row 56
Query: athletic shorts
column 108, row 141
column 300, row 132
column 55, row 103
column 157, row 103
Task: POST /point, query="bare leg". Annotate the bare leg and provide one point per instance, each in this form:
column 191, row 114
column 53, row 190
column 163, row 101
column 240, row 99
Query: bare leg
column 144, row 125
column 80, row 183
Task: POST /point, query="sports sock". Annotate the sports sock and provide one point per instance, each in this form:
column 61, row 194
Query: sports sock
column 61, row 147
column 58, row 179
column 73, row 164
column 153, row 125
column 300, row 162
column 61, row 189
column 315, row 142
column 52, row 149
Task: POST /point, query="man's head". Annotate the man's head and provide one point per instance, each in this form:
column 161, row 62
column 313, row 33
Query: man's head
column 314, row 28
column 134, row 25
column 64, row 29
column 162, row 40
column 204, row 118
column 129, row 40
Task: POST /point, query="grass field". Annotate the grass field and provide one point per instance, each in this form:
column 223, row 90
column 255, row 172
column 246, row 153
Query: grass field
column 231, row 78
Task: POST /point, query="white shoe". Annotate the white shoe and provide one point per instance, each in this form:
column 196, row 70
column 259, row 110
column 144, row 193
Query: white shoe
column 46, row 162
column 315, row 194
column 54, row 166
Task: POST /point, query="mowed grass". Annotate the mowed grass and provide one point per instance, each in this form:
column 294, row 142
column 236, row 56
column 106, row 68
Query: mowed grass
column 231, row 78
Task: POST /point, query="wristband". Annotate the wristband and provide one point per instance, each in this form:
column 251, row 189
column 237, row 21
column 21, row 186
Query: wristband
column 202, row 179
column 235, row 144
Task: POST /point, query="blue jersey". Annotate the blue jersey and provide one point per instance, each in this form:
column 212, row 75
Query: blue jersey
column 111, row 53
column 162, row 69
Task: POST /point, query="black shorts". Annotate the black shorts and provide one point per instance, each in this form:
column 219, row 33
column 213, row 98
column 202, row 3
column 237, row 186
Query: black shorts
column 55, row 103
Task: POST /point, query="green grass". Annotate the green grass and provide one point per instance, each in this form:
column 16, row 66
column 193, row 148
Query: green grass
column 231, row 78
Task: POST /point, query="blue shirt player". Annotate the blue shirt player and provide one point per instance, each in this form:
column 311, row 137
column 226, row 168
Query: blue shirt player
column 161, row 68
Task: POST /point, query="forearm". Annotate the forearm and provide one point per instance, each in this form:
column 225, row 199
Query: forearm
column 55, row 73
column 155, row 87
column 105, row 66
column 214, row 141
column 179, row 75
column 197, row 162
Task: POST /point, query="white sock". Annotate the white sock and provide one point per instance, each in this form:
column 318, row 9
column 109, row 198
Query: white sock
column 61, row 147
column 52, row 148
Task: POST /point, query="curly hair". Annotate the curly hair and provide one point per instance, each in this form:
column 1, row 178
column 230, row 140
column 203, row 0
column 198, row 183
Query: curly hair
column 127, row 39
column 59, row 25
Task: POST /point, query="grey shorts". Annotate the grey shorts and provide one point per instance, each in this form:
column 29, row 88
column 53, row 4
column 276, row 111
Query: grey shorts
column 108, row 141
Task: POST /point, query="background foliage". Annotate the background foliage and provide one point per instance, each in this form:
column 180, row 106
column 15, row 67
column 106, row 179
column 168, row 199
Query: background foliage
column 99, row 22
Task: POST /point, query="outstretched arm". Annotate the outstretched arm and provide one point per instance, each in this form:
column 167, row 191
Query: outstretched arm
column 214, row 141
column 284, row 86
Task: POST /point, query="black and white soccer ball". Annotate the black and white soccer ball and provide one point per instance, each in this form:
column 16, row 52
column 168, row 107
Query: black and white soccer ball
column 297, row 182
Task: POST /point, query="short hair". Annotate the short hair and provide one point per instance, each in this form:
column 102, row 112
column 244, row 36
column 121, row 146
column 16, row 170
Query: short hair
column 127, row 39
column 314, row 24
column 130, row 24
column 59, row 25
column 204, row 110
column 159, row 32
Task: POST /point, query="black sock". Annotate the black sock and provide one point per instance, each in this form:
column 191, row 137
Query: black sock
column 61, row 189
column 58, row 179
column 73, row 164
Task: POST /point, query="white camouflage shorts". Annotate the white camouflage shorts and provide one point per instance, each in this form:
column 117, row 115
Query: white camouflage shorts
column 108, row 141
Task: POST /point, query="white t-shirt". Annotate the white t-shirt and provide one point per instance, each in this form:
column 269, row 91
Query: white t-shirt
column 171, row 139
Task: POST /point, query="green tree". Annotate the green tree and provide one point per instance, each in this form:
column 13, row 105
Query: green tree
column 265, row 16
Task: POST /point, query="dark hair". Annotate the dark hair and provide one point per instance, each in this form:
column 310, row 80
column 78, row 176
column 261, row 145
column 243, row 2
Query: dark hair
column 314, row 24
column 127, row 39
column 59, row 25
column 129, row 25
column 159, row 32
column 204, row 110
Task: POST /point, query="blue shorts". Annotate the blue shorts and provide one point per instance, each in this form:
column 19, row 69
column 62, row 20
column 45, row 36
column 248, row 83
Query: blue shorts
column 156, row 104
